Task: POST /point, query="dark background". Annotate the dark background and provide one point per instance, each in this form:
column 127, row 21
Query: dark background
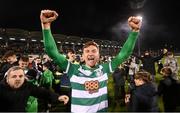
column 106, row 19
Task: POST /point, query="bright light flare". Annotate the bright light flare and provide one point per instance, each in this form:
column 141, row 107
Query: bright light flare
column 140, row 18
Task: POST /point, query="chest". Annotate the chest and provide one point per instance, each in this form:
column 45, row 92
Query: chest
column 14, row 97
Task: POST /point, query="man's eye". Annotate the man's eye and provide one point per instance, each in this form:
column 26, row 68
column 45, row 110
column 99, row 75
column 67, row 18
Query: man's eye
column 14, row 76
column 20, row 76
column 94, row 51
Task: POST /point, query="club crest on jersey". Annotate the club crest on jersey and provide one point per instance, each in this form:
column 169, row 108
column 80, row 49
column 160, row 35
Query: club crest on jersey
column 99, row 73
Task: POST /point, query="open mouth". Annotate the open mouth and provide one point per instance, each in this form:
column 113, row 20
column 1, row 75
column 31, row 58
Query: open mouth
column 91, row 58
column 17, row 83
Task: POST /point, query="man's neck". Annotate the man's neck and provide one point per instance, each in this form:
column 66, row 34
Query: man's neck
column 91, row 68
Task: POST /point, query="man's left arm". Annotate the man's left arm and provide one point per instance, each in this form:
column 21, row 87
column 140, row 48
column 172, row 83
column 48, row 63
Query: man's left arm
column 127, row 49
column 160, row 56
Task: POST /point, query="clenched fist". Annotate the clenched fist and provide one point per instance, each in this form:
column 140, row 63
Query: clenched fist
column 134, row 23
column 48, row 16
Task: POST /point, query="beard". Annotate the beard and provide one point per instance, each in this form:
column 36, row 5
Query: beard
column 17, row 84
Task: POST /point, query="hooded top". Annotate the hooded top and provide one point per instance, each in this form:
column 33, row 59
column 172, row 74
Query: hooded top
column 144, row 98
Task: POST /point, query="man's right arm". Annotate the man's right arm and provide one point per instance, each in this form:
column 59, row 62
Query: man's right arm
column 47, row 17
column 51, row 49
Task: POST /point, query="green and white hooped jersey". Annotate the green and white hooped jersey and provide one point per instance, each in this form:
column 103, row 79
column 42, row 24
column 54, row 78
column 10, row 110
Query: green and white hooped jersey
column 89, row 88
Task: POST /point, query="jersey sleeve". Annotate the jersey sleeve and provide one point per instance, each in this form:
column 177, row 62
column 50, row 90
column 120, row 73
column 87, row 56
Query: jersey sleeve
column 59, row 59
column 125, row 52
column 52, row 51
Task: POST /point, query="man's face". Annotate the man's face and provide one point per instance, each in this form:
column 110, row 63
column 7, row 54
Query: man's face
column 46, row 58
column 71, row 56
column 31, row 59
column 16, row 78
column 91, row 55
column 138, row 82
column 12, row 59
column 23, row 64
column 38, row 61
column 44, row 68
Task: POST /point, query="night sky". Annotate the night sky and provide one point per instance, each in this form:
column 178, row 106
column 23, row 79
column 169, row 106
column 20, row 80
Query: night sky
column 102, row 19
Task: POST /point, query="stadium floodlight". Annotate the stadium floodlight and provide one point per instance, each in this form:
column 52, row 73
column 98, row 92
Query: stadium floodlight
column 140, row 18
column 66, row 42
column 58, row 42
column 12, row 39
column 1, row 38
column 33, row 40
column 22, row 39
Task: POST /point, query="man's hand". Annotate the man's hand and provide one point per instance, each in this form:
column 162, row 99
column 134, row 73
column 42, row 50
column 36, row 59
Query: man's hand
column 48, row 16
column 135, row 23
column 64, row 98
column 127, row 98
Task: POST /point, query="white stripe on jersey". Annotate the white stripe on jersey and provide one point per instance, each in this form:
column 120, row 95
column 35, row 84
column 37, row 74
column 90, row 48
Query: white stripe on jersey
column 82, row 80
column 85, row 94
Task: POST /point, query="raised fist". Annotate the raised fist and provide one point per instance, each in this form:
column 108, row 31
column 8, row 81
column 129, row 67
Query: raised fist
column 134, row 23
column 48, row 16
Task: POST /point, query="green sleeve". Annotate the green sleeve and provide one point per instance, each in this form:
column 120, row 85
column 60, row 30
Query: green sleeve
column 125, row 52
column 52, row 51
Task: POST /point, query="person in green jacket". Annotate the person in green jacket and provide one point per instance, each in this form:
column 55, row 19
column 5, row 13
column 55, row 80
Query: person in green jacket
column 32, row 104
column 46, row 81
column 47, row 77
column 88, row 81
